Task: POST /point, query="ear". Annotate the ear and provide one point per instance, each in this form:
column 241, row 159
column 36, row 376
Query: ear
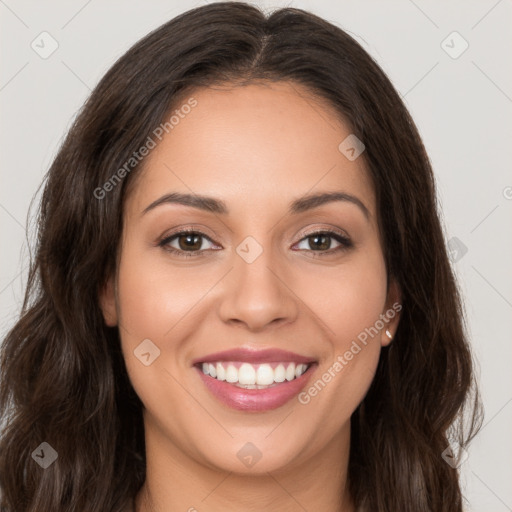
column 391, row 314
column 107, row 301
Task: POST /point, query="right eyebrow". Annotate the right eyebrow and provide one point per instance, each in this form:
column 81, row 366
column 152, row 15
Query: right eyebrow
column 206, row 203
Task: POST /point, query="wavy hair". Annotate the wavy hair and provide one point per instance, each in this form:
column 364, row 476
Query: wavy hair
column 63, row 378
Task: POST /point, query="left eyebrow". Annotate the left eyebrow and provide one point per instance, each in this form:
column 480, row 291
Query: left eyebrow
column 302, row 204
column 314, row 200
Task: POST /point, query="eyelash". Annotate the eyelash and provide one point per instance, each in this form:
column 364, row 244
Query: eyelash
column 345, row 243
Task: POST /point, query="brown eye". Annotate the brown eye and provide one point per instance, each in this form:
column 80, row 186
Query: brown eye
column 190, row 242
column 185, row 243
column 322, row 242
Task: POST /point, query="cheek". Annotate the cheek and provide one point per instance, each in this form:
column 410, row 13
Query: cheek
column 349, row 299
column 162, row 303
column 350, row 306
column 167, row 305
column 155, row 298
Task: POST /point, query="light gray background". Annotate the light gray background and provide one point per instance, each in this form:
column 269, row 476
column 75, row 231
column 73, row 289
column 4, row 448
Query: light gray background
column 462, row 108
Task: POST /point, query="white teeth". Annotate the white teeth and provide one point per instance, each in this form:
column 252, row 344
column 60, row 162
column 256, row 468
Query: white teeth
column 251, row 376
column 299, row 370
column 246, row 374
column 221, row 373
column 264, row 375
column 279, row 373
column 231, row 374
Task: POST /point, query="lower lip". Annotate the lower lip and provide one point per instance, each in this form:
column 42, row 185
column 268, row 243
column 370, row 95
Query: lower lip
column 256, row 400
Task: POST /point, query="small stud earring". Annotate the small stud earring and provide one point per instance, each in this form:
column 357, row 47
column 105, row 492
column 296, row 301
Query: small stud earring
column 389, row 334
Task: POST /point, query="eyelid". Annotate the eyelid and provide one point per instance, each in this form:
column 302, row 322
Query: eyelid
column 305, row 232
column 342, row 239
column 198, row 229
column 345, row 243
column 312, row 231
column 165, row 239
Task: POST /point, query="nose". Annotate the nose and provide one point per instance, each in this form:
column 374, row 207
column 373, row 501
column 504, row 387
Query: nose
column 258, row 294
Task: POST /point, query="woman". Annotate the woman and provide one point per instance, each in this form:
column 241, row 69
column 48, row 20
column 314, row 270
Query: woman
column 241, row 297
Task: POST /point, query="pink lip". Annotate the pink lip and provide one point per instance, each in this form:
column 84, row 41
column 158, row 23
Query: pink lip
column 256, row 400
column 273, row 355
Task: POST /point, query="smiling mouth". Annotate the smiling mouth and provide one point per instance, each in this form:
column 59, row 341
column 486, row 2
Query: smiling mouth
column 253, row 376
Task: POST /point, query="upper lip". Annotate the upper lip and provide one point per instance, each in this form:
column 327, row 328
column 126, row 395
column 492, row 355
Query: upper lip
column 272, row 355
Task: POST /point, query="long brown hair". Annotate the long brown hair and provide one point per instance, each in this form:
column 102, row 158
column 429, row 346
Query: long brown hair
column 63, row 377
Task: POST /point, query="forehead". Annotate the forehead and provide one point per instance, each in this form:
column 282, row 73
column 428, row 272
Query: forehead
column 252, row 145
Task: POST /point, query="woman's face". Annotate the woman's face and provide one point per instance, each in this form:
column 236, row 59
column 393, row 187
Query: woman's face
column 266, row 271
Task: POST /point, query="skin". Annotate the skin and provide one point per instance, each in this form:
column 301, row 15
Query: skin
column 256, row 147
